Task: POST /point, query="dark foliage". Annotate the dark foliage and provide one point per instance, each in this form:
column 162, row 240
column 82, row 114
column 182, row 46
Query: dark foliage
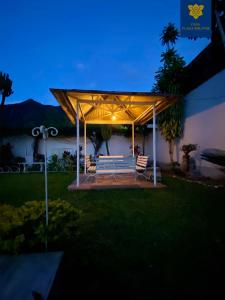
column 171, row 79
column 188, row 148
column 106, row 133
column 6, row 155
column 169, row 35
column 5, row 87
column 95, row 136
column 23, row 229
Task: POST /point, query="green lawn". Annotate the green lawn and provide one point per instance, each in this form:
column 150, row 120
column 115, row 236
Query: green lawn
column 137, row 244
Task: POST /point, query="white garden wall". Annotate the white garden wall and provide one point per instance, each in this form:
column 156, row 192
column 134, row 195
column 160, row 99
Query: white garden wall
column 204, row 123
column 22, row 145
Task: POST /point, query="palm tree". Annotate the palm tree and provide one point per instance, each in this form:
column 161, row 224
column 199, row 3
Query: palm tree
column 170, row 78
column 169, row 35
column 5, row 91
column 106, row 132
column 167, row 57
column 143, row 130
column 5, row 87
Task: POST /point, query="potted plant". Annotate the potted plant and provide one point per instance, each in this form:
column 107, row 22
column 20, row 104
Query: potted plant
column 187, row 149
column 137, row 150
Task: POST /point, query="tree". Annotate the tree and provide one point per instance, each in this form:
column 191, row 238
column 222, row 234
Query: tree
column 170, row 78
column 106, row 132
column 170, row 124
column 5, row 91
column 143, row 130
column 169, row 35
column 5, row 87
column 94, row 134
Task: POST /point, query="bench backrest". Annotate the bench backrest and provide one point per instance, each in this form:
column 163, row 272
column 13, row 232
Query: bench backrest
column 88, row 161
column 111, row 156
column 142, row 161
column 115, row 163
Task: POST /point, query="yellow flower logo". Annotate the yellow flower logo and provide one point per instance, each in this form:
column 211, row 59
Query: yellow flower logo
column 196, row 10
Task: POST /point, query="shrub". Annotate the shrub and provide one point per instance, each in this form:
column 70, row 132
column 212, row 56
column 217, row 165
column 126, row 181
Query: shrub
column 185, row 166
column 69, row 160
column 188, row 148
column 23, row 229
column 66, row 163
column 55, row 164
column 11, row 236
column 6, row 155
column 19, row 159
column 34, row 168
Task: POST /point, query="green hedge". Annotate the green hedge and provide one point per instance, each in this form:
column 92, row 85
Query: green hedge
column 23, row 229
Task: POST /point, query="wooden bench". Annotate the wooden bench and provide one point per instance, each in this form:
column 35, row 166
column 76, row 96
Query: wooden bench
column 141, row 166
column 115, row 165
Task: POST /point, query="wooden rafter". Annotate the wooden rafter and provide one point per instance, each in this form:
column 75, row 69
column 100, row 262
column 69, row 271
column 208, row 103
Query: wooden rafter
column 127, row 111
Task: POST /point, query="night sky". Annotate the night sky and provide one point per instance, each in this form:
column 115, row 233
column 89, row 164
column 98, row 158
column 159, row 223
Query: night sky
column 95, row 44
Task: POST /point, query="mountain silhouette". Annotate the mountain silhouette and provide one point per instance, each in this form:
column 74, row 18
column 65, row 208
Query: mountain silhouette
column 22, row 117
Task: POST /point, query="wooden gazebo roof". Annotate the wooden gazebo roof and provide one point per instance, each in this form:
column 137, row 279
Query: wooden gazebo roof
column 110, row 107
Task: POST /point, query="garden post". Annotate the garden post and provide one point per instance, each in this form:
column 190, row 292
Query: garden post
column 46, row 184
column 45, row 132
column 78, row 146
column 133, row 139
column 85, row 146
column 154, row 147
column 46, row 190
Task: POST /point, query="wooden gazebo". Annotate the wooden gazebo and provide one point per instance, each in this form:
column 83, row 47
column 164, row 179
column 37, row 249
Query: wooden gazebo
column 110, row 107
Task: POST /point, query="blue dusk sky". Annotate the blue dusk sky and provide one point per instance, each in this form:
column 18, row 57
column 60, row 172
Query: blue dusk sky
column 85, row 44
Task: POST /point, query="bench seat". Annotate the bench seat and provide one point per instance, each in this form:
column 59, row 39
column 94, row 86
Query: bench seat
column 115, row 171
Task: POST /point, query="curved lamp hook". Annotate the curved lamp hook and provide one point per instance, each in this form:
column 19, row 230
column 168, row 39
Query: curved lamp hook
column 44, row 131
column 36, row 131
column 52, row 131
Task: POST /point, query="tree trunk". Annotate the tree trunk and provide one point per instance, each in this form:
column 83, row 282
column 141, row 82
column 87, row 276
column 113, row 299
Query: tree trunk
column 1, row 121
column 171, row 150
column 143, row 144
column 185, row 163
column 3, row 101
column 36, row 148
column 107, row 147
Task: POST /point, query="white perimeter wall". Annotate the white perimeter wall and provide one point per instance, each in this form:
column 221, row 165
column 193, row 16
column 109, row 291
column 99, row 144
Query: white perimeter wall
column 23, row 145
column 204, row 124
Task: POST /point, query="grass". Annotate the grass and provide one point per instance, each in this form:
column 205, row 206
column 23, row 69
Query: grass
column 137, row 244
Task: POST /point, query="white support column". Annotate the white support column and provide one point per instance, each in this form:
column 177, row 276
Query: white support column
column 85, row 147
column 154, row 147
column 133, row 139
column 78, row 146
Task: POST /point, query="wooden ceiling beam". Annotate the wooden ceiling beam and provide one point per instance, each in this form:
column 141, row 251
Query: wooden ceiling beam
column 127, row 111
column 110, row 122
column 107, row 102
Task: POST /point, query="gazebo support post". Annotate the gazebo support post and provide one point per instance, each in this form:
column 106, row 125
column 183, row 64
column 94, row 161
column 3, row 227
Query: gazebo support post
column 154, row 147
column 78, row 146
column 133, row 139
column 85, row 147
